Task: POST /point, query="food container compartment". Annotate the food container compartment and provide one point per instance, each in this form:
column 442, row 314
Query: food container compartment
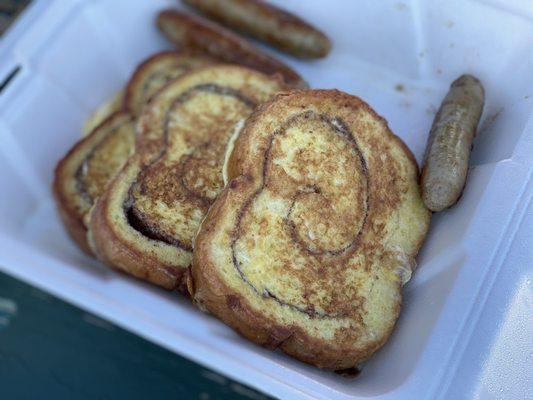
column 464, row 312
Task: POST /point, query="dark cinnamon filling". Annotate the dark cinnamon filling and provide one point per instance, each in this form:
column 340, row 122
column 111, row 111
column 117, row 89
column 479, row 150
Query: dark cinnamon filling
column 81, row 172
column 338, row 127
column 136, row 218
column 164, row 75
column 151, row 232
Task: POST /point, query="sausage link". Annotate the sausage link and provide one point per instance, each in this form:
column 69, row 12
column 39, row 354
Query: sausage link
column 450, row 142
column 281, row 29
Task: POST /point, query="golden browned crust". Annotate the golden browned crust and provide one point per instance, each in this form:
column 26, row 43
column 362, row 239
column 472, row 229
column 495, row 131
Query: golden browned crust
column 153, row 73
column 73, row 196
column 189, row 33
column 268, row 23
column 72, row 223
column 363, row 321
column 146, row 222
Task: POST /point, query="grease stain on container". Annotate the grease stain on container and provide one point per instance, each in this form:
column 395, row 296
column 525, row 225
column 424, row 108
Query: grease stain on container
column 491, row 119
column 401, row 6
column 431, row 110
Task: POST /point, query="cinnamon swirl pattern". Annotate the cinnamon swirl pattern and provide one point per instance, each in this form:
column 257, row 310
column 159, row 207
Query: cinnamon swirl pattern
column 146, row 222
column 83, row 174
column 150, row 76
column 309, row 244
column 156, row 72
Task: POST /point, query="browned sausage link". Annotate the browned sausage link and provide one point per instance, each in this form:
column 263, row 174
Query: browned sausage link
column 450, row 142
column 194, row 34
column 265, row 22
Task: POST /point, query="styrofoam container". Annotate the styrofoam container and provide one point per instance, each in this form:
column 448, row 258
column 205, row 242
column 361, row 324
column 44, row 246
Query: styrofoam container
column 466, row 326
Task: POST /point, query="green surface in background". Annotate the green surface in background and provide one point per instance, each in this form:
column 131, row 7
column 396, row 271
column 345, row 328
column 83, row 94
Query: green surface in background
column 52, row 350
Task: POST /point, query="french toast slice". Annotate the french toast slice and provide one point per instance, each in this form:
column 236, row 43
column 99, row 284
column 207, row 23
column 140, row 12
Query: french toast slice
column 307, row 247
column 146, row 221
column 82, row 175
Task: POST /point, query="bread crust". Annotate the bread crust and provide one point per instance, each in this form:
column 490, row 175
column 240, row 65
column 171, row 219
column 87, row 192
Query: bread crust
column 212, row 292
column 279, row 28
column 194, row 34
column 73, row 224
column 180, row 62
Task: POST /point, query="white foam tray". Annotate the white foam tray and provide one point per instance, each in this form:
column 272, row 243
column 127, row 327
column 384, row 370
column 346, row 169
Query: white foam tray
column 466, row 326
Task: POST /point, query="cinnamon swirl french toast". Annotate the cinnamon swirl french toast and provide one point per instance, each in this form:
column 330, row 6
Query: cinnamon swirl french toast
column 146, row 221
column 82, row 175
column 307, row 247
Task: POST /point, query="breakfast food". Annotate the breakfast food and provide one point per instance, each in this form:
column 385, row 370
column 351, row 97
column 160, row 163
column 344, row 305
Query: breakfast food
column 83, row 174
column 156, row 72
column 307, row 247
column 149, row 77
column 450, row 142
column 195, row 34
column 146, row 221
column 268, row 23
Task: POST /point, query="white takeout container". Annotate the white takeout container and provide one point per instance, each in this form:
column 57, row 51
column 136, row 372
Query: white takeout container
column 466, row 325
